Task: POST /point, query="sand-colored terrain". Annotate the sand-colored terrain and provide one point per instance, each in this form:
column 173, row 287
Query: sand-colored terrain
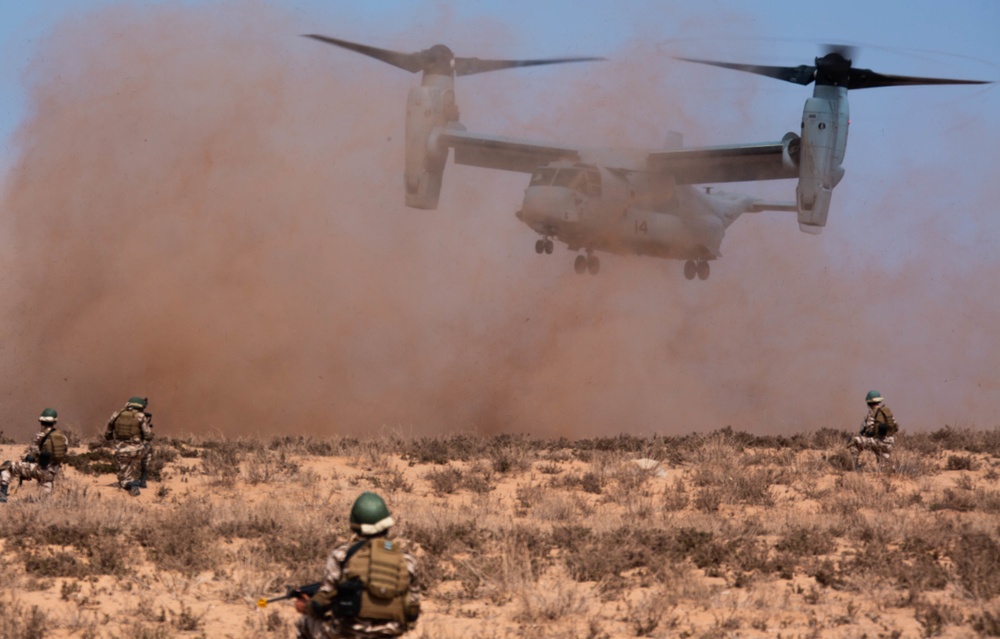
column 716, row 535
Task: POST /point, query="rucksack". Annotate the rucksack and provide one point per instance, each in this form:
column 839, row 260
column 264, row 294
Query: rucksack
column 56, row 445
column 127, row 425
column 891, row 427
column 378, row 572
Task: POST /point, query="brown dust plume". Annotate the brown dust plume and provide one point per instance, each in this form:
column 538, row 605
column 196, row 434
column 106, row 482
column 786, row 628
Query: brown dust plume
column 207, row 210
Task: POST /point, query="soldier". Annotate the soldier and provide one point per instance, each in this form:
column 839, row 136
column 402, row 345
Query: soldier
column 877, row 431
column 370, row 586
column 147, row 446
column 131, row 431
column 43, row 458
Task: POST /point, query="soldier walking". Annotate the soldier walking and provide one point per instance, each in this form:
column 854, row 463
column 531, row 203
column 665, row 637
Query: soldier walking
column 131, row 431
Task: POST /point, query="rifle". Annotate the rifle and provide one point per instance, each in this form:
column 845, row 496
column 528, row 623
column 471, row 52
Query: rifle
column 293, row 593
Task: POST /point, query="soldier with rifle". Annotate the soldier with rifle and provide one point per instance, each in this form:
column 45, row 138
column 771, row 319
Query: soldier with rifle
column 131, row 430
column 370, row 586
column 42, row 460
column 878, row 431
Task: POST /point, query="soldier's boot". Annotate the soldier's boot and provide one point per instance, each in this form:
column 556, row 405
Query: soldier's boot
column 3, row 493
column 142, row 479
column 133, row 488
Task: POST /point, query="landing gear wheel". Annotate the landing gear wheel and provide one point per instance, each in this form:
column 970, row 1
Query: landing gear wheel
column 539, row 246
column 703, row 270
column 593, row 264
column 580, row 264
column 690, row 269
column 549, row 246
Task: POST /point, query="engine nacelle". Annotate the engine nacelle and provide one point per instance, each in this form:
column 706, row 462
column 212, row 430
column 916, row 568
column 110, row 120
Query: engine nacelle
column 429, row 107
column 824, row 141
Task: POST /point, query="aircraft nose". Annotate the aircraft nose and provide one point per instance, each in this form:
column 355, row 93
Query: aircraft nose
column 548, row 204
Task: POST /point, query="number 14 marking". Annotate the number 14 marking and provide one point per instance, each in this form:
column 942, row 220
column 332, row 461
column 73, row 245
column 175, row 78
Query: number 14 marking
column 640, row 227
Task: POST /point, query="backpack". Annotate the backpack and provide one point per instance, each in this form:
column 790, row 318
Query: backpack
column 376, row 583
column 127, row 425
column 891, row 427
column 56, row 445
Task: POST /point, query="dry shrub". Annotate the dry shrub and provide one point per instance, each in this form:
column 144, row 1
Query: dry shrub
column 181, row 539
column 675, row 497
column 98, row 461
column 961, row 462
column 806, row 541
column 221, row 462
column 987, row 621
column 647, row 613
column 445, row 481
column 933, row 617
column 976, row 557
column 509, row 459
column 264, row 466
column 912, row 464
column 20, row 622
column 950, row 499
column 708, row 499
column 549, row 601
column 839, row 458
column 591, row 556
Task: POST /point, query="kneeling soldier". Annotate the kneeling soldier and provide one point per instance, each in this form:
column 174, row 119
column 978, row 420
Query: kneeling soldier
column 370, row 586
column 43, row 458
column 877, row 431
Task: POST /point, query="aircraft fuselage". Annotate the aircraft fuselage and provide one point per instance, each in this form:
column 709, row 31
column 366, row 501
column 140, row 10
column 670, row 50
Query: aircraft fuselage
column 595, row 209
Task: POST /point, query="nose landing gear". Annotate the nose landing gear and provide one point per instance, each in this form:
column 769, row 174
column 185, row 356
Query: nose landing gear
column 700, row 269
column 544, row 245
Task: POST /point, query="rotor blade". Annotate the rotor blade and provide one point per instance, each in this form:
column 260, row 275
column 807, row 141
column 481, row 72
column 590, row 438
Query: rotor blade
column 470, row 66
column 868, row 79
column 801, row 74
column 411, row 62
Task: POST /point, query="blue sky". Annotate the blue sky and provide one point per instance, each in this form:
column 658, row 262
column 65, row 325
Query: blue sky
column 955, row 38
column 901, row 281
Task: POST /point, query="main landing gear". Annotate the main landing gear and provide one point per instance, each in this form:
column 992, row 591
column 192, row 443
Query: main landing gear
column 544, row 245
column 588, row 262
column 699, row 268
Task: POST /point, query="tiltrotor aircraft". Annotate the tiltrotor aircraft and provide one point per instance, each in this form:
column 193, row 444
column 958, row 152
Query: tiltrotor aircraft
column 634, row 202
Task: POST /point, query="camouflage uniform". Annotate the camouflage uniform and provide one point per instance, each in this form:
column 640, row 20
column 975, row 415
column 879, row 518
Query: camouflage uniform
column 31, row 467
column 130, row 447
column 313, row 627
column 874, row 435
column 28, row 470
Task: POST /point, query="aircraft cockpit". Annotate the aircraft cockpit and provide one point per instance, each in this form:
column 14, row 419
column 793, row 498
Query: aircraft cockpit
column 586, row 180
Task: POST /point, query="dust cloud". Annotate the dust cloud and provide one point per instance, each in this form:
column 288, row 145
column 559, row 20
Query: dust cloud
column 207, row 210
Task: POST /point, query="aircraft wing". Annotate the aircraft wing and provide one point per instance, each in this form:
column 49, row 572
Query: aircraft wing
column 736, row 163
column 496, row 152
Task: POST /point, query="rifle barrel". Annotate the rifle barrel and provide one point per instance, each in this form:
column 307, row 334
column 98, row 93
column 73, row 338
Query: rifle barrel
column 308, row 589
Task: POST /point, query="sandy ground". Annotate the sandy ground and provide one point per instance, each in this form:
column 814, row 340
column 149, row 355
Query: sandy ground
column 496, row 583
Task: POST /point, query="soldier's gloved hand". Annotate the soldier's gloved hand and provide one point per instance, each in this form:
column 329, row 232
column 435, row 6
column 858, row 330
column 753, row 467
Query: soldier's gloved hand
column 302, row 604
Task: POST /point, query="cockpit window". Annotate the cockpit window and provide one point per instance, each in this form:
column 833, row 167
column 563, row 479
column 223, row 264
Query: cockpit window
column 587, row 181
column 542, row 177
column 569, row 178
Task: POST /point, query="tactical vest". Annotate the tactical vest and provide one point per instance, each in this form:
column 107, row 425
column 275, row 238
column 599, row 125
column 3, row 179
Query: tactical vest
column 381, row 567
column 55, row 445
column 127, row 425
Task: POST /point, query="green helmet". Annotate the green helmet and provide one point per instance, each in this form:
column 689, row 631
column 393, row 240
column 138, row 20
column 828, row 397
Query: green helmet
column 370, row 515
column 873, row 397
column 49, row 416
column 137, row 402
